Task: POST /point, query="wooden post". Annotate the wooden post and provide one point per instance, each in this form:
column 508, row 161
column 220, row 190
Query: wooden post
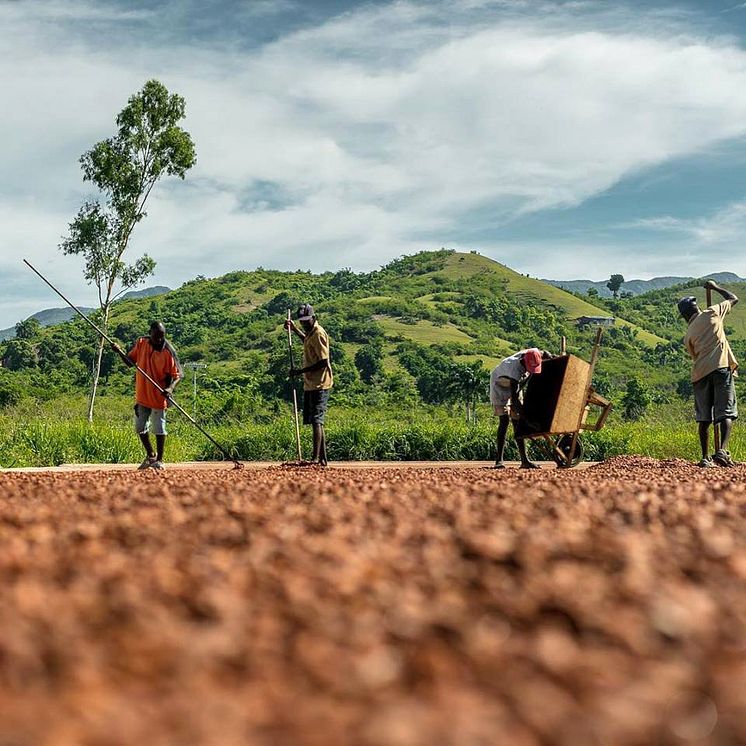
column 708, row 291
column 563, row 346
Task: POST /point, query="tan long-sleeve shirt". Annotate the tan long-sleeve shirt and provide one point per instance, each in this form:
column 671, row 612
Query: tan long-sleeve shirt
column 706, row 342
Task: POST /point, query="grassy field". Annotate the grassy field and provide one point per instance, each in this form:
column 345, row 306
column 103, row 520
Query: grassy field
column 489, row 362
column 424, row 332
column 54, row 435
column 459, row 266
column 250, row 301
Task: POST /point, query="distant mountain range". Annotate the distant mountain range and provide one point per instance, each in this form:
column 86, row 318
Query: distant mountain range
column 638, row 287
column 52, row 316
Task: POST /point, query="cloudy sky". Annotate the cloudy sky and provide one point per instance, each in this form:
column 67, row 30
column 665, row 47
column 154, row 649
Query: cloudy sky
column 565, row 139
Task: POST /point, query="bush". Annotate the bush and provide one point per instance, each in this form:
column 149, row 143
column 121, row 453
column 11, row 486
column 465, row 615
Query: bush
column 685, row 388
column 635, row 401
column 369, row 361
column 11, row 391
column 20, row 354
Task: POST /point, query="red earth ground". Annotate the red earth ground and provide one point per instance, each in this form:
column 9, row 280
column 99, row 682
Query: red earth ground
column 381, row 607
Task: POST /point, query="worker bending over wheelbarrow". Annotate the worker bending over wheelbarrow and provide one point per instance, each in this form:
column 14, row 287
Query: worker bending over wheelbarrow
column 505, row 387
column 713, row 368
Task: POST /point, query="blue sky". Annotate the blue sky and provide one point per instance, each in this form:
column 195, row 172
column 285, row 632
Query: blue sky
column 565, row 139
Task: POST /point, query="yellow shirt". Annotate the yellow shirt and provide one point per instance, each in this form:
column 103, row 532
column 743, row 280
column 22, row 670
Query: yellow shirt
column 706, row 343
column 315, row 348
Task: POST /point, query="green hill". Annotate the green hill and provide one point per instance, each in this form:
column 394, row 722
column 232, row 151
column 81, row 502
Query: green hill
column 406, row 329
column 529, row 290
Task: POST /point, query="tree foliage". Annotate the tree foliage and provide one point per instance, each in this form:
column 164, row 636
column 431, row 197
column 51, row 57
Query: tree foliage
column 234, row 323
column 636, row 400
column 614, row 283
column 28, row 329
column 148, row 144
column 369, row 360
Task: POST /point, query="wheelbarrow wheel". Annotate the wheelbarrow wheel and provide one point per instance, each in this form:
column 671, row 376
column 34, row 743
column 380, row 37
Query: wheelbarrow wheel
column 564, row 445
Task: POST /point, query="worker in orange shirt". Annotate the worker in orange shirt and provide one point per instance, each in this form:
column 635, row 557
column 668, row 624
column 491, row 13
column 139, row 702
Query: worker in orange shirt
column 155, row 355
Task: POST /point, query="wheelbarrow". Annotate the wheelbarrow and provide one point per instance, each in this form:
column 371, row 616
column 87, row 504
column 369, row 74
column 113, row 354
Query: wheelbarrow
column 557, row 404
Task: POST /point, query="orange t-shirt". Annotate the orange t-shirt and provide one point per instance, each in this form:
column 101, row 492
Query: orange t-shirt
column 163, row 367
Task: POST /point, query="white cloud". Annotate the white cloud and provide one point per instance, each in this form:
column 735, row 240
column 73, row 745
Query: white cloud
column 724, row 227
column 383, row 127
column 79, row 11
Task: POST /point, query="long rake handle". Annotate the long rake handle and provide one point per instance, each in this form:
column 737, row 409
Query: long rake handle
column 295, row 395
column 135, row 365
column 708, row 291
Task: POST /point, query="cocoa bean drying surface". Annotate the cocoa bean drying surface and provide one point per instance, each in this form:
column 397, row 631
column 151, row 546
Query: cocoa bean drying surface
column 384, row 607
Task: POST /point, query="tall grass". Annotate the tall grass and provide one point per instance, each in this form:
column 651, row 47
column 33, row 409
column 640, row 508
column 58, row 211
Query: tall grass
column 51, row 436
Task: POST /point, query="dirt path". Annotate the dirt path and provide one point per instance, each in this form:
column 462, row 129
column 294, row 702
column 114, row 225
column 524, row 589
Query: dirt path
column 435, row 605
column 228, row 466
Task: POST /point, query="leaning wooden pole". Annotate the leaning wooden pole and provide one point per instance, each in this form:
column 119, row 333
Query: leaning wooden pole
column 295, row 395
column 594, row 358
column 714, row 424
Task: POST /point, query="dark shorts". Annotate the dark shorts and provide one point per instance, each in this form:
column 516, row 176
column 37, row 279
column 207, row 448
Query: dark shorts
column 315, row 404
column 715, row 397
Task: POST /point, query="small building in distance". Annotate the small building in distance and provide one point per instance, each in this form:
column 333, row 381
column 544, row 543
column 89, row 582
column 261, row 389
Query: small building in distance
column 604, row 321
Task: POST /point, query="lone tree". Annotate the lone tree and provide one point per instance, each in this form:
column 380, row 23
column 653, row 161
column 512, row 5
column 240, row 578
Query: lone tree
column 148, row 145
column 614, row 283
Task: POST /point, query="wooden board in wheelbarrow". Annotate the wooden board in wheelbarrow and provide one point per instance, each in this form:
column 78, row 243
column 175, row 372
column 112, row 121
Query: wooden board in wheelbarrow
column 554, row 400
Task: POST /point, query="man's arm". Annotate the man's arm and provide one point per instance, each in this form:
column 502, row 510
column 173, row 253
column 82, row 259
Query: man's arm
column 318, row 365
column 126, row 357
column 293, row 328
column 176, row 373
column 318, row 349
column 712, row 285
column 168, row 389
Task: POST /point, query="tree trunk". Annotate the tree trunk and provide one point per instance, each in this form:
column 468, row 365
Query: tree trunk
column 96, row 372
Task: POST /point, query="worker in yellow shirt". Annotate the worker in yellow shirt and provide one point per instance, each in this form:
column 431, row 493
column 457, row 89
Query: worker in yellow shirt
column 713, row 368
column 318, row 378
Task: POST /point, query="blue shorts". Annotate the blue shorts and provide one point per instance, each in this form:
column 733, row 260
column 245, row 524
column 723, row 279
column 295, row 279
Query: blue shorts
column 145, row 418
column 315, row 404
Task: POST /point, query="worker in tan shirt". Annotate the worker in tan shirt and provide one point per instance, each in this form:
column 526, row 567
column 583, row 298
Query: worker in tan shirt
column 713, row 368
column 318, row 378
